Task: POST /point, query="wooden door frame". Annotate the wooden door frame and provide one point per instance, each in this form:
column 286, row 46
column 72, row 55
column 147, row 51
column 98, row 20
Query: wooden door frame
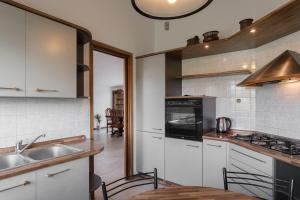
column 128, row 69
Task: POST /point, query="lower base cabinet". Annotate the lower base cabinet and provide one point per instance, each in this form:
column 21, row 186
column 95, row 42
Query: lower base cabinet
column 214, row 160
column 150, row 153
column 67, row 181
column 247, row 161
column 63, row 182
column 19, row 187
column 183, row 162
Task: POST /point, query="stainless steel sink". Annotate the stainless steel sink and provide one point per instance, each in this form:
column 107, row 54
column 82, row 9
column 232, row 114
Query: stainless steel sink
column 50, row 152
column 11, row 161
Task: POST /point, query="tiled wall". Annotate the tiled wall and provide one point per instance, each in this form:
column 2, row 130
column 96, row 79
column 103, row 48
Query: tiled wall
column 271, row 109
column 26, row 118
column 224, row 88
column 228, row 94
column 278, row 106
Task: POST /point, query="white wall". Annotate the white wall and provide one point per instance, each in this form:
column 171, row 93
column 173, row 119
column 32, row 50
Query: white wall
column 272, row 109
column 108, row 73
column 114, row 22
column 221, row 15
column 26, row 118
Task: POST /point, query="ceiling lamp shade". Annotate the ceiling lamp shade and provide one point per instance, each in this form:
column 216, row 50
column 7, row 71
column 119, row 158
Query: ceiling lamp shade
column 169, row 9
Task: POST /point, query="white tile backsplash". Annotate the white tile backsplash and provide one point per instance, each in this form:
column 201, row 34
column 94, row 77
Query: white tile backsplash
column 26, row 118
column 272, row 109
column 227, row 93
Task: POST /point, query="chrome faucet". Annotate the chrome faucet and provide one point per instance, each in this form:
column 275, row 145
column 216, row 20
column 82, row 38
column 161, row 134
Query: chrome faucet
column 20, row 148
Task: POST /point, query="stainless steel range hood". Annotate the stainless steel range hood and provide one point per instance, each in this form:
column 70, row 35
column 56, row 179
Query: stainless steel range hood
column 285, row 67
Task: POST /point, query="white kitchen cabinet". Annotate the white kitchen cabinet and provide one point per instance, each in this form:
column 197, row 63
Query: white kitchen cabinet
column 19, row 187
column 245, row 160
column 12, row 51
column 150, row 153
column 65, row 181
column 151, row 94
column 183, row 161
column 214, row 160
column 50, row 58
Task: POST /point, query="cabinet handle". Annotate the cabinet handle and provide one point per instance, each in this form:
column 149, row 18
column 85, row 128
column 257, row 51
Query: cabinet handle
column 8, row 88
column 42, row 90
column 157, row 129
column 262, row 161
column 13, row 187
column 160, row 138
column 57, row 173
column 188, row 145
column 212, row 145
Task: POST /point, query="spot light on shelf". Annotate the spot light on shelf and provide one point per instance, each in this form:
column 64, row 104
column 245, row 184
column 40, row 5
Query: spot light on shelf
column 253, row 30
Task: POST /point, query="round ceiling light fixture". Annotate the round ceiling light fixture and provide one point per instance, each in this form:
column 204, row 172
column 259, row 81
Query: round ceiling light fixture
column 169, row 9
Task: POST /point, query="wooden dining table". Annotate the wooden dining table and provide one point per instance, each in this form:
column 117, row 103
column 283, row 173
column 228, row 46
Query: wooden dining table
column 191, row 193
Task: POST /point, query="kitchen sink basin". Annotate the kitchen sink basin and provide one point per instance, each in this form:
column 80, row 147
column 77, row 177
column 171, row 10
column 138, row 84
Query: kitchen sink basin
column 11, row 161
column 50, row 152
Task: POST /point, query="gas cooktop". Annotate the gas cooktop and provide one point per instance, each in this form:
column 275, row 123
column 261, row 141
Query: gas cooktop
column 278, row 143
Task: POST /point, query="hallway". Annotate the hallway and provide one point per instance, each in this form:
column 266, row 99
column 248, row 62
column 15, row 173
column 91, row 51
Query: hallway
column 109, row 165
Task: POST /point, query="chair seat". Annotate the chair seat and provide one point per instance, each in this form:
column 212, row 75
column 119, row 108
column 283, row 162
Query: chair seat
column 95, row 182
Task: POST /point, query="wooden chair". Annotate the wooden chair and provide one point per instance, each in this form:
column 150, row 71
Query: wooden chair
column 259, row 181
column 108, row 118
column 117, row 121
column 116, row 187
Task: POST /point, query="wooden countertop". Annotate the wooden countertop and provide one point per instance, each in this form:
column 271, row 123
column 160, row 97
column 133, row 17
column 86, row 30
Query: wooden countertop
column 290, row 159
column 88, row 147
column 191, row 193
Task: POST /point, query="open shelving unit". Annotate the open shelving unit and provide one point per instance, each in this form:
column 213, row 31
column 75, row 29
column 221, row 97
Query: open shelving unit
column 277, row 24
column 216, row 74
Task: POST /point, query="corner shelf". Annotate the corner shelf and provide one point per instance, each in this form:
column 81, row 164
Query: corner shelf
column 216, row 74
column 277, row 24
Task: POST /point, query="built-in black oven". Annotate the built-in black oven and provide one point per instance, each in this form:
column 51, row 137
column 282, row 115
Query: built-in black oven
column 189, row 118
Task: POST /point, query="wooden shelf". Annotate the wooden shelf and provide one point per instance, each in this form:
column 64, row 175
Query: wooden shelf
column 279, row 23
column 217, row 74
column 82, row 68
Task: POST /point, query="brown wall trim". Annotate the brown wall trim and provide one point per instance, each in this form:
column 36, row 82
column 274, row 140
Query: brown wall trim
column 128, row 57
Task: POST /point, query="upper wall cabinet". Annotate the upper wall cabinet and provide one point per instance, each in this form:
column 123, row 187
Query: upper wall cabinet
column 51, row 60
column 151, row 94
column 12, row 51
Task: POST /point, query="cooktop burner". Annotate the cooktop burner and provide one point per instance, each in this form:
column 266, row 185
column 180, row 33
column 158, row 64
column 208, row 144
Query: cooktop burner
column 281, row 144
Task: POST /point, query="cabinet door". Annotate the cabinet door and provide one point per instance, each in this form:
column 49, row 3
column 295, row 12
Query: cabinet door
column 65, row 181
column 19, row 187
column 248, row 161
column 12, row 51
column 150, row 153
column 184, row 162
column 151, row 94
column 214, row 160
column 50, row 58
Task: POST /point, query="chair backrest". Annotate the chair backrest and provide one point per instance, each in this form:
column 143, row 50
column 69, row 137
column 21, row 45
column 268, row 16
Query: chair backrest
column 108, row 112
column 259, row 181
column 122, row 184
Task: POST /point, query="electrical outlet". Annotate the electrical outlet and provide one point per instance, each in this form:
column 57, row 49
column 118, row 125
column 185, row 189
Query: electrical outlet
column 167, row 26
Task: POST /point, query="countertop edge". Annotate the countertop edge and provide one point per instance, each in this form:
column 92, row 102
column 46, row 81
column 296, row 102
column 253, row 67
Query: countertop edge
column 293, row 160
column 91, row 148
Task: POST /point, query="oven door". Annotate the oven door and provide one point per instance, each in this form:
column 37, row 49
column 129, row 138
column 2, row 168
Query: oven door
column 184, row 122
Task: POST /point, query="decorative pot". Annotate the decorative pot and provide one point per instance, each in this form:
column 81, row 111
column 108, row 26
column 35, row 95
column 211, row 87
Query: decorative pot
column 245, row 23
column 210, row 36
column 193, row 41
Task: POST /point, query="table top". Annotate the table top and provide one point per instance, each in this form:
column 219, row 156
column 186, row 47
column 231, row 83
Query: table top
column 191, row 193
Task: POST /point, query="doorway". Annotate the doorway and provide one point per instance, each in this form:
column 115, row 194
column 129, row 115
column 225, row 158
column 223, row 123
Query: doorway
column 116, row 90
